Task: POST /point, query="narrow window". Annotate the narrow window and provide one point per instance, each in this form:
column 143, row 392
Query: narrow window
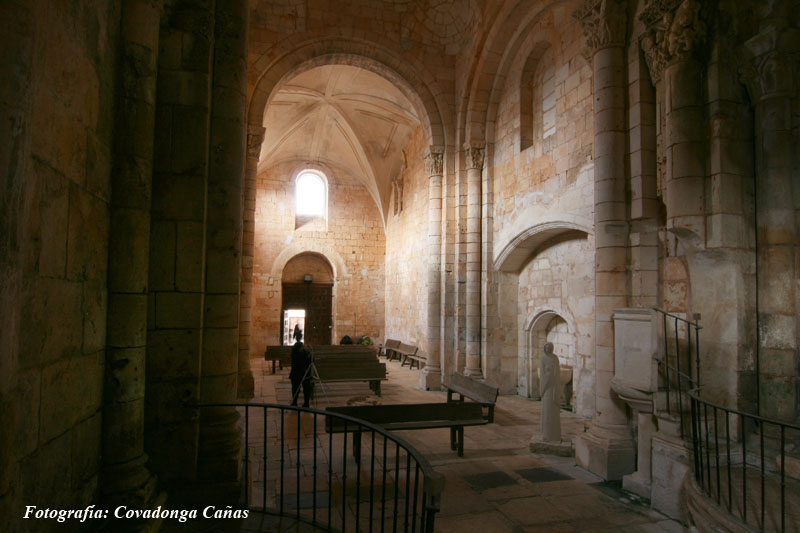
column 310, row 195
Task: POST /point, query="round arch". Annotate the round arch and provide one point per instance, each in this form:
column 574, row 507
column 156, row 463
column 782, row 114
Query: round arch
column 329, row 254
column 519, row 249
column 549, row 324
column 294, row 56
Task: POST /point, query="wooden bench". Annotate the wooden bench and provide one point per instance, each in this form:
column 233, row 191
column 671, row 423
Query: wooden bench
column 387, row 347
column 400, row 417
column 404, row 351
column 419, row 358
column 482, row 394
column 282, row 355
column 335, row 370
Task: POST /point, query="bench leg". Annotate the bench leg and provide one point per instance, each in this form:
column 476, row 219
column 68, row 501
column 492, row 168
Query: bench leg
column 453, row 439
column 460, row 432
column 377, row 388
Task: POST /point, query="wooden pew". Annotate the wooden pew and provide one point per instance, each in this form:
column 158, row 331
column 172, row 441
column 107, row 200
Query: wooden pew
column 278, row 354
column 387, row 347
column 404, row 351
column 481, row 393
column 282, row 355
column 418, row 358
column 334, row 370
column 399, row 417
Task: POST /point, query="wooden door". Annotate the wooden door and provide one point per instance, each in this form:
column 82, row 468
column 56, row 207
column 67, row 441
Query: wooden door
column 316, row 299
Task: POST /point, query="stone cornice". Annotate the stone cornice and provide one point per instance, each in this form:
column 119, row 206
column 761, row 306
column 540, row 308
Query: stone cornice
column 604, row 23
column 675, row 30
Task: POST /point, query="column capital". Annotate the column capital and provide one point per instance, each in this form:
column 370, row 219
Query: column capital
column 474, row 152
column 765, row 69
column 675, row 29
column 604, row 23
column 434, row 160
column 255, row 137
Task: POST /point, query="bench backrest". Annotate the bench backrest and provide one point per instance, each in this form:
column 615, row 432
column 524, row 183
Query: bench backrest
column 391, row 344
column 406, row 349
column 426, row 412
column 351, row 372
column 474, row 390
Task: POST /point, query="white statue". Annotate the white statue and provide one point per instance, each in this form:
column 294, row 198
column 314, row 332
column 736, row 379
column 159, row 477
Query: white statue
column 549, row 390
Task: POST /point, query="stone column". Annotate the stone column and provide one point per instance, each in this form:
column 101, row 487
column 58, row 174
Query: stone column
column 608, row 450
column 474, row 166
column 771, row 81
column 673, row 35
column 219, row 444
column 125, row 479
column 431, row 376
column 255, row 137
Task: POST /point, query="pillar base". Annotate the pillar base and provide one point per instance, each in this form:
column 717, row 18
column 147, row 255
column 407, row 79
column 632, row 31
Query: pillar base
column 473, row 373
column 430, row 378
column 606, row 451
column 220, row 450
column 132, row 485
column 638, row 484
column 560, row 449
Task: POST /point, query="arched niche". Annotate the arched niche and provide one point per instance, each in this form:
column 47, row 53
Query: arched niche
column 556, row 326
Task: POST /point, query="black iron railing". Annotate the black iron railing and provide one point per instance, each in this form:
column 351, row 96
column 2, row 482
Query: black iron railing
column 679, row 367
column 293, row 467
column 734, row 450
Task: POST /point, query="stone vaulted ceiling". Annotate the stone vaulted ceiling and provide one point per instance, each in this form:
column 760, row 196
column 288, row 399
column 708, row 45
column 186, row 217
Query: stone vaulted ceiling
column 347, row 118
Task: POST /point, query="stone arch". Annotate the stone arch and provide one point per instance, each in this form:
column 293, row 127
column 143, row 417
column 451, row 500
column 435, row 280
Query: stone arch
column 513, row 36
column 522, row 247
column 292, row 250
column 297, row 55
column 549, row 324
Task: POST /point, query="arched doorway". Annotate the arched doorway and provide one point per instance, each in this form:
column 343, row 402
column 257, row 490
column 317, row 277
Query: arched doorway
column 550, row 326
column 307, row 298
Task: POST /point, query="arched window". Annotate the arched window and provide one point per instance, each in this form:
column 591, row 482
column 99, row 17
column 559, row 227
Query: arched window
column 537, row 100
column 311, row 195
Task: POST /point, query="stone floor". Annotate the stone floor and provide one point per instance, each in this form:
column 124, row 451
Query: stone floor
column 499, row 485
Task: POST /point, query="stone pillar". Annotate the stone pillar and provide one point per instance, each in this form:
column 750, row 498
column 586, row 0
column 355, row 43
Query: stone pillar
column 255, row 137
column 125, row 478
column 771, row 81
column 219, row 444
column 474, row 166
column 669, row 44
column 178, row 239
column 431, row 376
column 607, row 449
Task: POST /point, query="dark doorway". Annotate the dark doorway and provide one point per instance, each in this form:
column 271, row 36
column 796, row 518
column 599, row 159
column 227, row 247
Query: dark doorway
column 316, row 299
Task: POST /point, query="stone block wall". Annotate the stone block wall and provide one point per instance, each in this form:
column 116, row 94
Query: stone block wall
column 550, row 181
column 353, row 242
column 406, row 265
column 55, row 109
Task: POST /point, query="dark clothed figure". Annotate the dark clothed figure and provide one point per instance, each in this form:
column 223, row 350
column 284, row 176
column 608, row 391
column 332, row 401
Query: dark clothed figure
column 298, row 335
column 300, row 373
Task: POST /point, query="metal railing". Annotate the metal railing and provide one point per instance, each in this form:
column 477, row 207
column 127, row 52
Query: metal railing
column 294, row 468
column 679, row 368
column 726, row 464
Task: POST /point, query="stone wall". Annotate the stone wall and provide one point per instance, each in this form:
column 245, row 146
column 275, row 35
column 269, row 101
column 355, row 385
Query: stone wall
column 539, row 183
column 353, row 243
column 56, row 98
column 406, row 266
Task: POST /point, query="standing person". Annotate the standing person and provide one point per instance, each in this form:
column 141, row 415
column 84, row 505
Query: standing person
column 300, row 373
column 298, row 335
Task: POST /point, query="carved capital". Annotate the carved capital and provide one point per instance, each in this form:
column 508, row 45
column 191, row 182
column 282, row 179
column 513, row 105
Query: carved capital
column 434, row 160
column 604, row 23
column 675, row 29
column 765, row 69
column 474, row 153
column 255, row 137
